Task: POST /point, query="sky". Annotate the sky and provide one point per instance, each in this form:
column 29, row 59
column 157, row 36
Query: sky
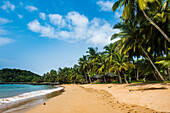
column 40, row 35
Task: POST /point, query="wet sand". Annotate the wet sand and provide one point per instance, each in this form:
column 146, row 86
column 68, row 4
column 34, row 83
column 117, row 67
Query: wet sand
column 77, row 99
column 23, row 106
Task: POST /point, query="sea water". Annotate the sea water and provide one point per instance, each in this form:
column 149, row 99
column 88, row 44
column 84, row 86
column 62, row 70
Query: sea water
column 14, row 97
column 10, row 90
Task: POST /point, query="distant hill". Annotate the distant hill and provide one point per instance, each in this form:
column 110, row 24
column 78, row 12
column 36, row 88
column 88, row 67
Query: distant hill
column 17, row 75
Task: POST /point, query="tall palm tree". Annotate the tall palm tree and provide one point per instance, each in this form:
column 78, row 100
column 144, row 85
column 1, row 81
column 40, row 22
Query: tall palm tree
column 83, row 66
column 133, row 36
column 132, row 7
column 121, row 63
column 101, row 65
column 108, row 56
column 92, row 57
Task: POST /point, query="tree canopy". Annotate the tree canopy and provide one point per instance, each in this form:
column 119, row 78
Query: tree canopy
column 17, row 75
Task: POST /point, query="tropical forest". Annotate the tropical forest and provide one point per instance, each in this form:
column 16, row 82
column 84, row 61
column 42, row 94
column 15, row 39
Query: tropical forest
column 141, row 54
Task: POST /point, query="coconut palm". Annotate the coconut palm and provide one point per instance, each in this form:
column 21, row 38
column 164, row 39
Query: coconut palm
column 109, row 51
column 133, row 36
column 121, row 63
column 92, row 57
column 83, row 66
column 165, row 63
column 101, row 65
column 134, row 7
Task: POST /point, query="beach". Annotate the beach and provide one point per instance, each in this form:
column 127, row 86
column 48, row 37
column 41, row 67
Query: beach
column 25, row 97
column 107, row 98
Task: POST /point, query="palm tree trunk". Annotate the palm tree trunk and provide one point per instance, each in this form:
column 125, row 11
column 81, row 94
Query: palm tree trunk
column 168, row 72
column 125, row 78
column 157, row 27
column 166, row 52
column 152, row 63
column 120, row 79
column 137, row 71
column 105, row 79
column 89, row 77
column 166, row 49
column 85, row 76
column 137, row 74
column 97, row 78
column 154, row 75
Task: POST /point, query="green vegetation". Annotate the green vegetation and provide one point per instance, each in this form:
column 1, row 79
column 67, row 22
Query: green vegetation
column 141, row 55
column 17, row 75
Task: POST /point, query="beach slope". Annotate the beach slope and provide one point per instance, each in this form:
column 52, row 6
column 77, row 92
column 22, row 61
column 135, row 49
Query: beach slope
column 154, row 96
column 77, row 99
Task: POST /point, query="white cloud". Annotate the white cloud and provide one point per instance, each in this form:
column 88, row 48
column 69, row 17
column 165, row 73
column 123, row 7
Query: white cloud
column 105, row 5
column 46, row 31
column 76, row 27
column 117, row 15
column 8, row 6
column 31, row 8
column 42, row 16
column 56, row 19
column 20, row 16
column 100, row 32
column 77, row 19
column 4, row 41
column 4, row 21
column 34, row 26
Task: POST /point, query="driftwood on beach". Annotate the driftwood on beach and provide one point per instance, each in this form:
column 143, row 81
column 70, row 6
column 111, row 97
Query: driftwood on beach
column 144, row 89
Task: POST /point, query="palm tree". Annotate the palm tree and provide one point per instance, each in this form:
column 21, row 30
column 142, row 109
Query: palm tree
column 164, row 62
column 108, row 56
column 109, row 51
column 131, row 7
column 121, row 63
column 92, row 53
column 133, row 36
column 92, row 57
column 83, row 66
column 101, row 65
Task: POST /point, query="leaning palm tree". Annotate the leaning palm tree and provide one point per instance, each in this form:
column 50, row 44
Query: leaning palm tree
column 133, row 36
column 135, row 7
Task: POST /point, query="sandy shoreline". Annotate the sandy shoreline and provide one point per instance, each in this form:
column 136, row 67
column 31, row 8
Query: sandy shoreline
column 26, row 101
column 158, row 100
column 107, row 98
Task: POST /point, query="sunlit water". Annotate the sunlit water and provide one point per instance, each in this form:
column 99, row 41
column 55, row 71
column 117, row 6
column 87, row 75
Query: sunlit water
column 10, row 90
column 17, row 98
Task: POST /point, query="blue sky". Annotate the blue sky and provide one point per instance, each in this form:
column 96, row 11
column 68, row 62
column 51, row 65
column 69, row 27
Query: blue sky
column 40, row 35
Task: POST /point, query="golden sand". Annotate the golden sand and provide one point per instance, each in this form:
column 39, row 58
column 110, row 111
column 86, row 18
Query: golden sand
column 106, row 98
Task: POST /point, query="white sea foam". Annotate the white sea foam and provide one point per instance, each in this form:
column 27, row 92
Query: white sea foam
column 26, row 96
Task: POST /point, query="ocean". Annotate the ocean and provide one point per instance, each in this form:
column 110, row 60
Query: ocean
column 18, row 98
